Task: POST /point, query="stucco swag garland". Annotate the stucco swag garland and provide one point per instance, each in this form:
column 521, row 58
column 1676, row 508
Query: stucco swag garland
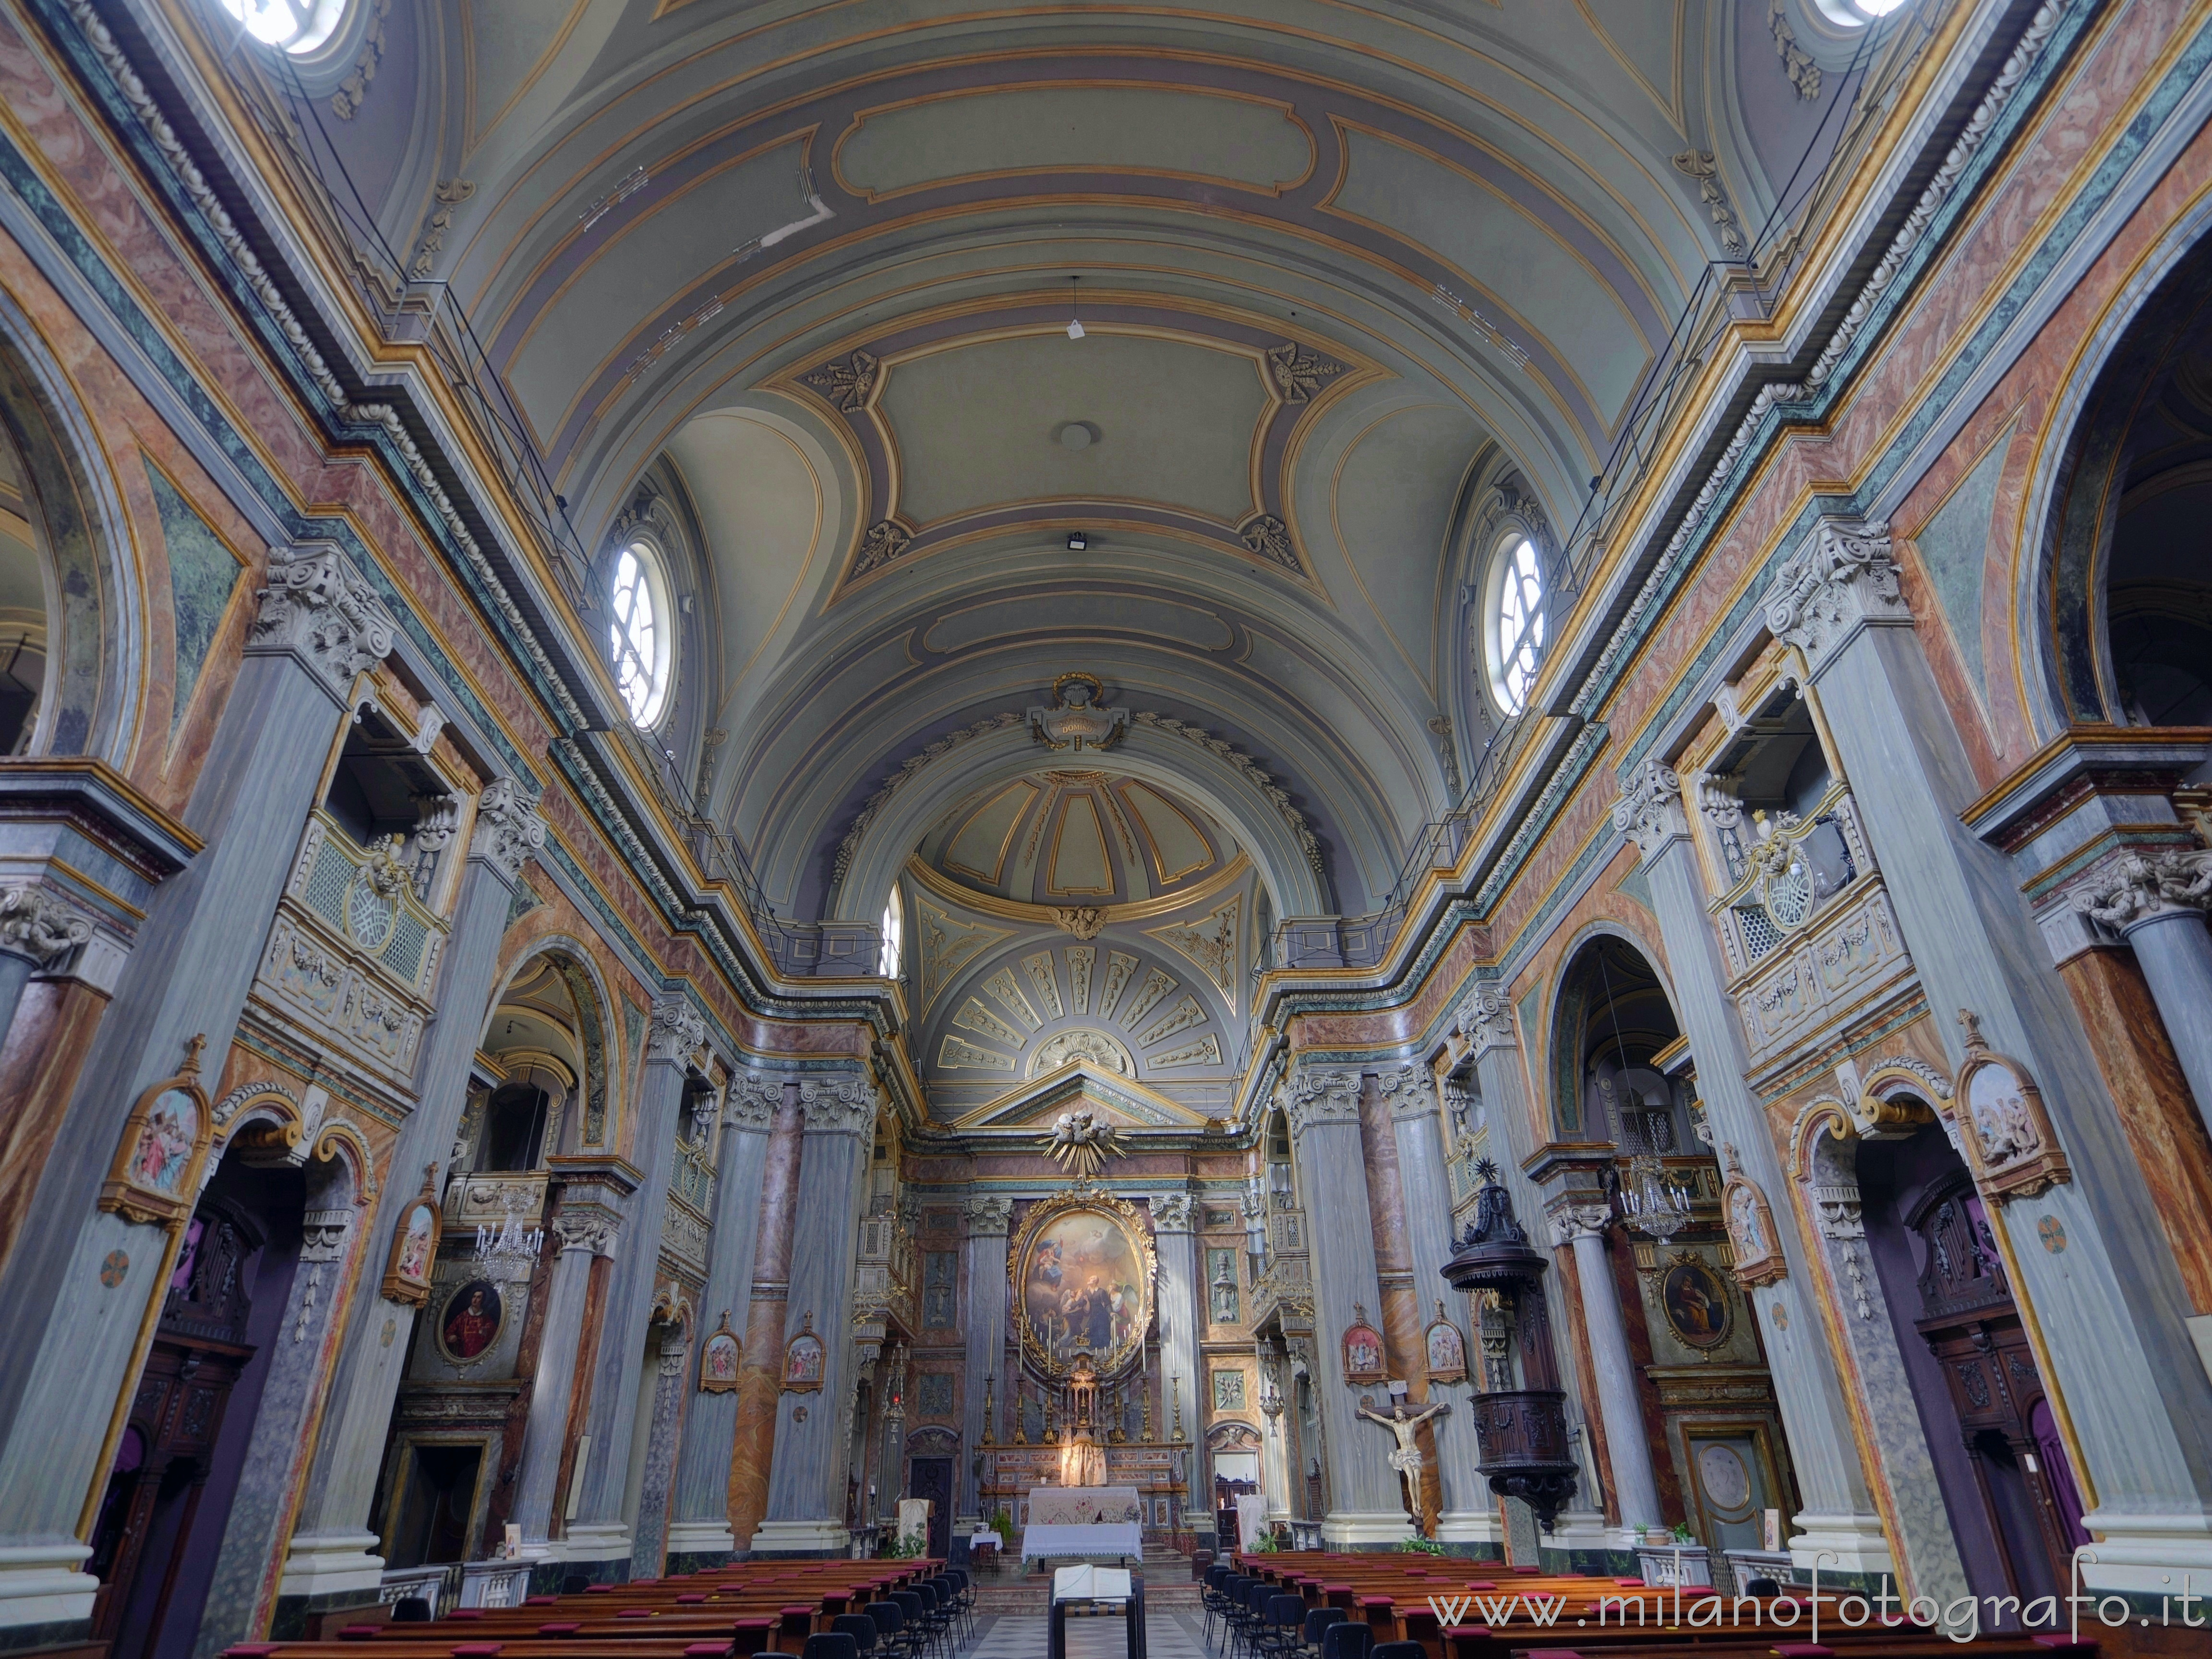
column 1264, row 783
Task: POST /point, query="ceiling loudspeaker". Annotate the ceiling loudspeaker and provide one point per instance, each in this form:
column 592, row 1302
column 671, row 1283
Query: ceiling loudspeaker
column 1076, row 541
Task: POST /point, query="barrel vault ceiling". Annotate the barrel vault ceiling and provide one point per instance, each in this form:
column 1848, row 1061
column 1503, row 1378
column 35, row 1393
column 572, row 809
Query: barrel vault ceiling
column 804, row 271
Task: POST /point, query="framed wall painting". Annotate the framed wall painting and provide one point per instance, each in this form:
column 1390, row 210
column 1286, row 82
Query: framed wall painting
column 1362, row 1349
column 719, row 1357
column 155, row 1177
column 804, row 1360
column 469, row 1322
column 1083, row 1272
column 1446, row 1350
column 415, row 1246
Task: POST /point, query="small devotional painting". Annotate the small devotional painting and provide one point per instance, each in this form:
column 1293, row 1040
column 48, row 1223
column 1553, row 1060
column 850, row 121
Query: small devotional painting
column 415, row 1246
column 803, row 1360
column 1446, row 1350
column 1696, row 1302
column 470, row 1322
column 156, row 1177
column 1362, row 1349
column 719, row 1357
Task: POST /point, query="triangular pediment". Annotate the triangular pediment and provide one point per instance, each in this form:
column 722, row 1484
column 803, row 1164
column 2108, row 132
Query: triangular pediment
column 1116, row 1100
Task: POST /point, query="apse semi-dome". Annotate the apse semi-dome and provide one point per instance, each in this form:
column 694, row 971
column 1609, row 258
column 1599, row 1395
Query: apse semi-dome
column 1069, row 837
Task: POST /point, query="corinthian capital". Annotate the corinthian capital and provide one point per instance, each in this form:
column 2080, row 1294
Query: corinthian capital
column 678, row 1030
column 317, row 608
column 1486, row 1018
column 509, row 832
column 1573, row 1221
column 1650, row 810
column 846, row 1103
column 2138, row 887
column 989, row 1215
column 1171, row 1212
column 1411, row 1090
column 37, row 924
column 1842, row 578
column 752, row 1100
column 1319, row 1095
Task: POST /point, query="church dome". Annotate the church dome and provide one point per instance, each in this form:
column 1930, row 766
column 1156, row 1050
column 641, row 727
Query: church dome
column 1068, row 838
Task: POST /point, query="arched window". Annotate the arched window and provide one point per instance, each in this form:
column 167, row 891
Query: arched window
column 1516, row 624
column 638, row 634
column 1856, row 14
column 894, row 929
column 299, row 26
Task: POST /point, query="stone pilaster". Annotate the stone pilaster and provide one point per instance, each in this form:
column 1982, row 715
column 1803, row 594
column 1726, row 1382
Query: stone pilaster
column 330, row 1561
column 700, row 1534
column 2131, row 1384
column 1839, row 1516
column 319, row 628
column 1583, row 1227
column 984, row 1330
column 587, row 1228
column 600, row 1533
column 1323, row 1110
column 805, row 1492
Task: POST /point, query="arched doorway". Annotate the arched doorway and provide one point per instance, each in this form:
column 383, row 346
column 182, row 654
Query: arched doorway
column 2004, row 1475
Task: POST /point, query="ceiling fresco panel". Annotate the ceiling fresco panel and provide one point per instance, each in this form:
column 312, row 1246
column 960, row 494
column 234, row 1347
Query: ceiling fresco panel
column 1115, row 129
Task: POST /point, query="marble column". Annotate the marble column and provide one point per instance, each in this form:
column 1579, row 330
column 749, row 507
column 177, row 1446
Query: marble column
column 2123, row 1365
column 760, row 1377
column 700, row 1536
column 805, row 1482
column 1469, row 1514
column 38, row 930
column 983, row 1329
column 1839, row 1516
column 1181, row 1309
column 1323, row 1110
column 330, row 1561
column 588, row 1223
column 600, row 1531
column 74, row 1338
column 2156, row 904
column 1583, row 1227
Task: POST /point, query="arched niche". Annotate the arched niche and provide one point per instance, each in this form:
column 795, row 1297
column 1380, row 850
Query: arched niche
column 1612, row 1073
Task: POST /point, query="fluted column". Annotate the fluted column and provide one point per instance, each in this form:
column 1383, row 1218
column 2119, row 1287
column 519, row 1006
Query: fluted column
column 600, row 1532
column 983, row 1329
column 1323, row 1110
column 806, row 1497
column 2156, row 903
column 331, row 1559
column 1417, row 1125
column 1583, row 1227
column 2130, row 1382
column 587, row 1228
column 1839, row 1516
column 700, row 1536
column 319, row 627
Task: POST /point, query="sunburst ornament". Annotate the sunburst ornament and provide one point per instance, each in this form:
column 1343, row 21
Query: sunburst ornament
column 1081, row 1142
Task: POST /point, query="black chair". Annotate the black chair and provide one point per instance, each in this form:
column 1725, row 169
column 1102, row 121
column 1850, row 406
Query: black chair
column 891, row 1636
column 1397, row 1651
column 1211, row 1601
column 831, row 1644
column 859, row 1627
column 917, row 1619
column 1349, row 1638
column 1318, row 1621
column 937, row 1611
column 964, row 1599
column 1233, row 1612
column 1767, row 1588
column 1281, row 1618
column 410, row 1610
column 1253, row 1612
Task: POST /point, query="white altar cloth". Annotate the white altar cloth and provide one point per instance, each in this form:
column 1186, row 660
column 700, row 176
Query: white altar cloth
column 1097, row 1538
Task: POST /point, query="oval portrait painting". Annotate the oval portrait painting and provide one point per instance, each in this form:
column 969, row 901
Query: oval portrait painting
column 469, row 1324
column 1085, row 1282
column 1697, row 1304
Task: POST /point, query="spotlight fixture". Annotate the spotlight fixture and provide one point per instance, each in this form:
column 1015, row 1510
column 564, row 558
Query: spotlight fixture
column 1074, row 322
column 1078, row 540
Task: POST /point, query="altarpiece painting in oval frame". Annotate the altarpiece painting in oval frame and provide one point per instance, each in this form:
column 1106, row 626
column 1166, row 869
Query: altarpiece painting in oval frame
column 1084, row 1274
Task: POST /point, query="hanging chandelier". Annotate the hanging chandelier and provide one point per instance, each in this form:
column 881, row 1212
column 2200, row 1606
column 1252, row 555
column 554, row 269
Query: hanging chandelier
column 1650, row 1202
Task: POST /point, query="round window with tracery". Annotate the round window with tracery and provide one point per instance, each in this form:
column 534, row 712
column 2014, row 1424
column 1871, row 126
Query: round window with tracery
column 1517, row 624
column 637, row 634
column 297, row 27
